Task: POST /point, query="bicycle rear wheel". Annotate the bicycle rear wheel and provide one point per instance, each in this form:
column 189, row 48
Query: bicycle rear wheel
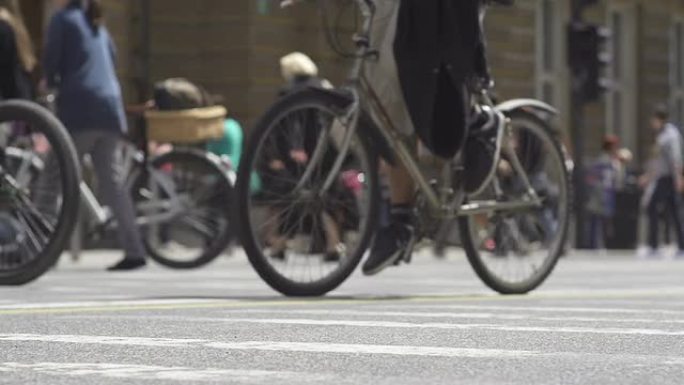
column 513, row 252
column 186, row 197
column 301, row 239
column 39, row 196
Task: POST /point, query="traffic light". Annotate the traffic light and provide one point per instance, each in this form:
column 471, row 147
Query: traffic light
column 588, row 58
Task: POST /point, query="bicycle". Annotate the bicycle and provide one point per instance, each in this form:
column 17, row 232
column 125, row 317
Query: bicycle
column 37, row 210
column 183, row 205
column 513, row 231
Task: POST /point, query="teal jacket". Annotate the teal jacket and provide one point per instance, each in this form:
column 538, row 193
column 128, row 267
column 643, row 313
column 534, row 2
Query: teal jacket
column 230, row 145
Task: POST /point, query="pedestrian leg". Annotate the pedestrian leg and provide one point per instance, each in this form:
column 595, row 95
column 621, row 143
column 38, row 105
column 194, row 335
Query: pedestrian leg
column 654, row 217
column 110, row 179
column 674, row 208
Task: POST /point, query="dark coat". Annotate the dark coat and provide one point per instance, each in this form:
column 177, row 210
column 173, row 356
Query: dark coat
column 15, row 82
column 438, row 47
column 79, row 61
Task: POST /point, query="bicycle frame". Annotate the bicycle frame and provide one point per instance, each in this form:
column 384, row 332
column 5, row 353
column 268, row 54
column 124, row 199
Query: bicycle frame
column 169, row 208
column 446, row 203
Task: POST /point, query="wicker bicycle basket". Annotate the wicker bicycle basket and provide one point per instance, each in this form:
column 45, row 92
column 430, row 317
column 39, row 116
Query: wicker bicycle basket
column 186, row 126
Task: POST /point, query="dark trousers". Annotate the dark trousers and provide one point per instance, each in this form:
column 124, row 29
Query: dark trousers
column 665, row 197
column 600, row 228
column 103, row 147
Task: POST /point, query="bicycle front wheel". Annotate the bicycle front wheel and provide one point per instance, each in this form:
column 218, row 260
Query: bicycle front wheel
column 39, row 196
column 513, row 252
column 183, row 199
column 303, row 239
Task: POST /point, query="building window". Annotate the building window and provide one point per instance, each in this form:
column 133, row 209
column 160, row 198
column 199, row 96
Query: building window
column 677, row 72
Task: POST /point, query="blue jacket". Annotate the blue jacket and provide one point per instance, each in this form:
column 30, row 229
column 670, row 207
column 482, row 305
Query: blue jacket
column 79, row 62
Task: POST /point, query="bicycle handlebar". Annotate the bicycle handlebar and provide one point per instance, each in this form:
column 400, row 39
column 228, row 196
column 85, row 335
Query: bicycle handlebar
column 290, row 3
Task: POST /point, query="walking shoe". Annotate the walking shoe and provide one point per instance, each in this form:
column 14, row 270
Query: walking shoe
column 336, row 254
column 278, row 255
column 331, row 257
column 391, row 245
column 482, row 150
column 128, row 264
column 649, row 254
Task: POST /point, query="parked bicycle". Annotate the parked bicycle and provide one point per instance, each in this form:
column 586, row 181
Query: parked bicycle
column 183, row 204
column 307, row 145
column 37, row 210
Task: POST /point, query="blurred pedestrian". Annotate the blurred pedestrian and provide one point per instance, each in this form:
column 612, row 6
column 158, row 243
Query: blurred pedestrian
column 290, row 151
column 666, row 180
column 80, row 63
column 300, row 71
column 17, row 57
column 604, row 178
column 17, row 63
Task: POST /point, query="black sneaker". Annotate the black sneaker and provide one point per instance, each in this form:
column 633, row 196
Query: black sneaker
column 482, row 151
column 336, row 254
column 128, row 264
column 332, row 257
column 391, row 245
column 278, row 255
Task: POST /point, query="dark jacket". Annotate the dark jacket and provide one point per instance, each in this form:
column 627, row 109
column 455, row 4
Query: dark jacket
column 15, row 82
column 79, row 62
column 438, row 47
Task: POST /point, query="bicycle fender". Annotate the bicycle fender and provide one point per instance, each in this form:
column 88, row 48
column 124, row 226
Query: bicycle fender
column 338, row 96
column 526, row 104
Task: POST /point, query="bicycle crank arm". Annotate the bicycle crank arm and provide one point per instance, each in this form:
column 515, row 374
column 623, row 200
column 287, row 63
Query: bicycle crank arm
column 157, row 219
column 486, row 207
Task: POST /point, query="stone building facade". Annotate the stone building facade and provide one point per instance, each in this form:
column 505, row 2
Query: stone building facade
column 232, row 47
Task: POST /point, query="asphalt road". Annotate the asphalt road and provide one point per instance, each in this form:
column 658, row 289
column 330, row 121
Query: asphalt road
column 598, row 320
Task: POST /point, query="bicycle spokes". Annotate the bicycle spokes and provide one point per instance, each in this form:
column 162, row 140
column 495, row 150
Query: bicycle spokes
column 518, row 241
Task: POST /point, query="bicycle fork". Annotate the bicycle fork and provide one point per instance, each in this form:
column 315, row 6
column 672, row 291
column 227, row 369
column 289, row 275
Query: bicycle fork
column 349, row 122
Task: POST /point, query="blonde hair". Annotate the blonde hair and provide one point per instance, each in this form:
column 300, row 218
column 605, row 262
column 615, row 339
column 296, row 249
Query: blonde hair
column 10, row 12
column 297, row 64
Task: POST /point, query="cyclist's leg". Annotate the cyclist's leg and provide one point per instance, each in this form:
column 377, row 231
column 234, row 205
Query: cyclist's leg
column 402, row 187
column 384, row 79
column 333, row 236
column 402, row 193
column 103, row 147
column 395, row 240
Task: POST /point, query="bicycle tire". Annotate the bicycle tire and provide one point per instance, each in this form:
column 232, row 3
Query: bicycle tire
column 47, row 124
column 224, row 186
column 470, row 244
column 280, row 283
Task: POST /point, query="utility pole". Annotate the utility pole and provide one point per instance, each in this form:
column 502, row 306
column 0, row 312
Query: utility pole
column 587, row 60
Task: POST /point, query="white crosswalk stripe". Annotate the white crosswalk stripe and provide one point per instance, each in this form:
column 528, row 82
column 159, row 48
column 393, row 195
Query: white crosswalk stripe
column 153, row 372
column 507, row 316
column 105, row 303
column 412, row 325
column 332, row 348
column 544, row 309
